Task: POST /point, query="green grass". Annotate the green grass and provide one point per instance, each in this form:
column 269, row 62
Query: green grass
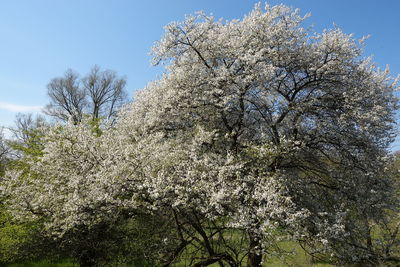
column 44, row 263
column 296, row 257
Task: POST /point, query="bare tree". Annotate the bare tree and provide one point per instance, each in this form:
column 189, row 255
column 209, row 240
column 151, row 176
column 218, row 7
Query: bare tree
column 105, row 92
column 67, row 98
column 99, row 94
column 26, row 134
column 25, row 123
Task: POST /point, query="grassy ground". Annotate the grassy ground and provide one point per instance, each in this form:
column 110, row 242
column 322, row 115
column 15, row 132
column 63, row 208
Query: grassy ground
column 44, row 263
column 296, row 257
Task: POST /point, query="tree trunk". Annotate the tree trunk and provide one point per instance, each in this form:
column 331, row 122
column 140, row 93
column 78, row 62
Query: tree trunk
column 254, row 259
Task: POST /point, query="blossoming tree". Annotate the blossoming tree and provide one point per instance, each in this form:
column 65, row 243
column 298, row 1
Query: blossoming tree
column 259, row 128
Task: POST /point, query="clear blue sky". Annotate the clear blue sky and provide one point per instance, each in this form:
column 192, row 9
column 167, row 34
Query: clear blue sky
column 41, row 39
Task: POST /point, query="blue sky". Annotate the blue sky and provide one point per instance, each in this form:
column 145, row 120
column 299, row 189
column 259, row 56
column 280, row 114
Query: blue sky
column 41, row 39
